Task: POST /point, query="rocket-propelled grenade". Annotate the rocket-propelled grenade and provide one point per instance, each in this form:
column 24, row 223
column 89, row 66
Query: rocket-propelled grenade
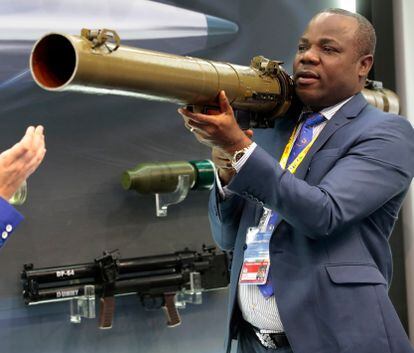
column 152, row 178
column 96, row 62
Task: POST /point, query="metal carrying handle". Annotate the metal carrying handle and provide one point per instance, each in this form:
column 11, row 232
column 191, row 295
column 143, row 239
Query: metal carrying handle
column 100, row 37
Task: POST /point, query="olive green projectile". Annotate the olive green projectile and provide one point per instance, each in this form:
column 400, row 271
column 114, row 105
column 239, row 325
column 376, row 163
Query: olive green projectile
column 147, row 178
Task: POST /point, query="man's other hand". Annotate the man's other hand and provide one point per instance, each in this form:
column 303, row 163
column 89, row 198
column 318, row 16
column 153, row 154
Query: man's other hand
column 21, row 160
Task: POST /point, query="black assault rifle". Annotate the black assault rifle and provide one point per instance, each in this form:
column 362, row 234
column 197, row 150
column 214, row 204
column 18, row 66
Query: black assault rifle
column 167, row 281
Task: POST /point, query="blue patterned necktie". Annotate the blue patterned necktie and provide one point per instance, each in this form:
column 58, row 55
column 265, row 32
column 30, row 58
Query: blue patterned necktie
column 302, row 140
column 305, row 135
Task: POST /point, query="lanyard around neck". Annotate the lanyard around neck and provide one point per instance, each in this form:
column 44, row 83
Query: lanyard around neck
column 298, row 160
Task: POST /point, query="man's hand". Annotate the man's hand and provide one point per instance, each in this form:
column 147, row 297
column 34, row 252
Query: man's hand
column 218, row 129
column 21, row 160
column 223, row 164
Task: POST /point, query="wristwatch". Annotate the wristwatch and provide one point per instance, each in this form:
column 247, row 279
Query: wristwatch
column 238, row 155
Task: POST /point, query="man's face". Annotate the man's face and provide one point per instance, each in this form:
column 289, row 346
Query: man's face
column 327, row 67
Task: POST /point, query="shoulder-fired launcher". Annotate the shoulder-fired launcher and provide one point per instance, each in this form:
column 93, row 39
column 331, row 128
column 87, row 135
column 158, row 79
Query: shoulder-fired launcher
column 95, row 62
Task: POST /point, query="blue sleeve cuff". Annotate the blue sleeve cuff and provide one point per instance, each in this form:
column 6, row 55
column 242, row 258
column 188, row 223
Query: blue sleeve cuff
column 10, row 218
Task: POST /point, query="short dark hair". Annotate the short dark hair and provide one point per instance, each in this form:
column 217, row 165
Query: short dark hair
column 366, row 38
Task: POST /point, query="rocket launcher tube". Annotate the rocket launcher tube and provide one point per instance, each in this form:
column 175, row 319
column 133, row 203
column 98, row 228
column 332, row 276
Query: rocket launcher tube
column 96, row 63
column 93, row 64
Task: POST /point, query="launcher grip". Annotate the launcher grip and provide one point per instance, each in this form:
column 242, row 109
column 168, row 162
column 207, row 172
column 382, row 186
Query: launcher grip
column 106, row 312
column 173, row 317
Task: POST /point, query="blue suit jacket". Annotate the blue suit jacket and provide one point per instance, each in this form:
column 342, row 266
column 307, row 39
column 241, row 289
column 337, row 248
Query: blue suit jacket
column 330, row 256
column 10, row 218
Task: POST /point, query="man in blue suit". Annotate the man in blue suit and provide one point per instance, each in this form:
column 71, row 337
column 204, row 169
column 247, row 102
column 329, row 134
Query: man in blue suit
column 327, row 186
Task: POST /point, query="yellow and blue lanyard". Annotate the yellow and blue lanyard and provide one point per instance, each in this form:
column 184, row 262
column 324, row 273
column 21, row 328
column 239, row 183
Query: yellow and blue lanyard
column 300, row 157
column 291, row 168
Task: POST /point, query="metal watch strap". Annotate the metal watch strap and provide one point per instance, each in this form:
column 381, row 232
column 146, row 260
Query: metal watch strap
column 238, row 155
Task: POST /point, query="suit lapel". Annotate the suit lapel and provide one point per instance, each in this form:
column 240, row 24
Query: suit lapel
column 342, row 117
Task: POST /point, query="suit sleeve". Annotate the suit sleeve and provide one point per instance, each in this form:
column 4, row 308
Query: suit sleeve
column 9, row 220
column 378, row 167
column 224, row 217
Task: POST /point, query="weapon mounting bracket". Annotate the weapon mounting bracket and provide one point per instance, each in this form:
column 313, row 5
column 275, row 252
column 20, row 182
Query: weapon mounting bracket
column 266, row 66
column 101, row 37
column 372, row 84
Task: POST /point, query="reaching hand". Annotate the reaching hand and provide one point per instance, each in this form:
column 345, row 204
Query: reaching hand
column 21, row 160
column 217, row 129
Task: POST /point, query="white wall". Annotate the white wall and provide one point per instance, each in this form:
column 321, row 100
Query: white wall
column 404, row 51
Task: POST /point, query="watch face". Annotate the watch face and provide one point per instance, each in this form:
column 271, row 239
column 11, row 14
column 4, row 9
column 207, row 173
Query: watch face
column 238, row 155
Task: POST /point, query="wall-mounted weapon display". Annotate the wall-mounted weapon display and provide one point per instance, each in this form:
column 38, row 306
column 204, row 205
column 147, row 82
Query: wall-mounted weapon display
column 96, row 62
column 166, row 281
column 169, row 181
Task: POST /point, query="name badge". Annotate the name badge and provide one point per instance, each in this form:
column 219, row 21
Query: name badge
column 256, row 262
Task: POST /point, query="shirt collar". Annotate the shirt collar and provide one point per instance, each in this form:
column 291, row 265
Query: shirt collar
column 329, row 112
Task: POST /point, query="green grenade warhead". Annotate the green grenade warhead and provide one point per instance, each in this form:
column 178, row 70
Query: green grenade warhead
column 163, row 177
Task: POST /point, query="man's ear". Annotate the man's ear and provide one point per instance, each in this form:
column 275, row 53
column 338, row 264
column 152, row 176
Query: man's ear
column 365, row 64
